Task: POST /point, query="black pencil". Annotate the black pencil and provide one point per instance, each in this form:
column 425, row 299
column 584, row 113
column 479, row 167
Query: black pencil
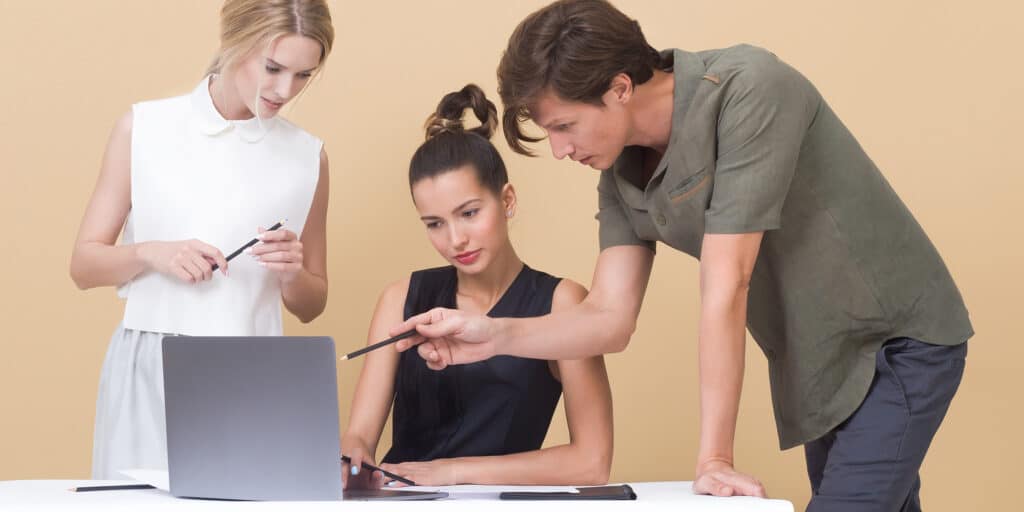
column 116, row 487
column 371, row 467
column 375, row 346
column 247, row 245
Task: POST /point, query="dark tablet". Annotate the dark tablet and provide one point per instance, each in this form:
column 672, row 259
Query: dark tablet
column 605, row 492
column 391, row 495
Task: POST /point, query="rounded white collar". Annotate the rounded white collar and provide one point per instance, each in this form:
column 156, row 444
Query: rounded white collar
column 211, row 123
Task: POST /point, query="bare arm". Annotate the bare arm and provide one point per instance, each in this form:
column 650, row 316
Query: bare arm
column 727, row 262
column 95, row 260
column 601, row 324
column 98, row 261
column 305, row 293
column 375, row 389
column 585, row 460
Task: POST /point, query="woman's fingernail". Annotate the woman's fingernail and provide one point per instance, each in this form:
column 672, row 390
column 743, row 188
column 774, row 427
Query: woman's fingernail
column 262, row 263
column 355, row 470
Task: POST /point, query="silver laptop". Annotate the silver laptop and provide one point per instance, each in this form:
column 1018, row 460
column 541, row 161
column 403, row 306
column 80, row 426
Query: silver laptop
column 252, row 418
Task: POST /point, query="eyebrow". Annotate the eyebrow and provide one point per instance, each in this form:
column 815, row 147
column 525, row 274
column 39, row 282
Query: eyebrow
column 555, row 122
column 457, row 208
column 282, row 66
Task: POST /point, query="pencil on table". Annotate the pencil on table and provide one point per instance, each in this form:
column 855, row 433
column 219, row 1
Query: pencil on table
column 115, row 487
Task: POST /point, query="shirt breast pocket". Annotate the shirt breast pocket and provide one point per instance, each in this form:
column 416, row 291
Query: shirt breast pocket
column 690, row 188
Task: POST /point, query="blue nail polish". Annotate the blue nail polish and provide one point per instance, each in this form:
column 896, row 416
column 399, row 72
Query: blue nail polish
column 355, row 470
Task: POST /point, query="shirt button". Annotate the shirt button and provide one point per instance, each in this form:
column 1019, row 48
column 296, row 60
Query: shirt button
column 661, row 219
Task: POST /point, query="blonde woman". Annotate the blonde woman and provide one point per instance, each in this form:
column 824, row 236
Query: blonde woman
column 191, row 178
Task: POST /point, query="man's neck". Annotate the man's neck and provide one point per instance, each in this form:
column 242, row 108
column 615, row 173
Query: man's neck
column 652, row 112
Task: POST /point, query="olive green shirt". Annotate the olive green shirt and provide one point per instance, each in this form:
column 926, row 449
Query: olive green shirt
column 843, row 266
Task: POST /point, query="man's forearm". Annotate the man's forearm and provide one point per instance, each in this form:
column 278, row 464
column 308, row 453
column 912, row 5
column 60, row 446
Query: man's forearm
column 721, row 354
column 584, row 330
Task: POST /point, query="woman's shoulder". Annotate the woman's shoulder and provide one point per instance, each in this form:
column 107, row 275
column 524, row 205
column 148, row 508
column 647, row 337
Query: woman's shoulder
column 160, row 114
column 564, row 291
column 428, row 277
column 395, row 291
column 139, row 113
column 568, row 293
column 434, row 272
column 171, row 104
column 297, row 132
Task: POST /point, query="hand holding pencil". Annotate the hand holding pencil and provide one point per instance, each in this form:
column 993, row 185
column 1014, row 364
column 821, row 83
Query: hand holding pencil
column 445, row 337
column 189, row 261
column 195, row 261
column 358, row 471
column 279, row 250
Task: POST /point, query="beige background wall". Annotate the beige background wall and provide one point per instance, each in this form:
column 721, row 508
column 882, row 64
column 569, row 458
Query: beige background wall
column 932, row 89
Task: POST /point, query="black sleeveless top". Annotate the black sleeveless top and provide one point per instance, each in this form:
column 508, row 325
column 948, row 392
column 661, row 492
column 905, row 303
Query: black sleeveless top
column 495, row 407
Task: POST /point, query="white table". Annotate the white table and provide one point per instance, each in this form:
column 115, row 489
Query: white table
column 18, row 495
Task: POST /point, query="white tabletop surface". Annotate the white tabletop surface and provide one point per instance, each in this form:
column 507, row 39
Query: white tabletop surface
column 17, row 495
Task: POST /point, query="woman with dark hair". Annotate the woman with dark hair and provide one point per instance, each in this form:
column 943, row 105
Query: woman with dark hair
column 733, row 157
column 482, row 423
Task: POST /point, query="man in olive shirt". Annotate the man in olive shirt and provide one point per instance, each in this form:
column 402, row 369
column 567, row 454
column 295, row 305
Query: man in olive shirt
column 733, row 157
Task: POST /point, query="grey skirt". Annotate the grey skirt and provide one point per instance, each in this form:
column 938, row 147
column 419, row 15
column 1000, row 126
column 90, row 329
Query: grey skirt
column 130, row 430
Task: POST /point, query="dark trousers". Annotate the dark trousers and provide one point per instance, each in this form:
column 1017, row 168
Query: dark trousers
column 870, row 462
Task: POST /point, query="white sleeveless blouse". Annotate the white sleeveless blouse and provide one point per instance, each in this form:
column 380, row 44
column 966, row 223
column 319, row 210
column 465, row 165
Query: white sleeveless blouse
column 196, row 175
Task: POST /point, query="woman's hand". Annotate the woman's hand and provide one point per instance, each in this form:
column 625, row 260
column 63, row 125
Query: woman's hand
column 279, row 251
column 353, row 475
column 190, row 261
column 431, row 473
column 718, row 478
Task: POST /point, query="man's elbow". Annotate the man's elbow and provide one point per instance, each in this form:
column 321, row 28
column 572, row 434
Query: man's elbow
column 731, row 290
column 620, row 336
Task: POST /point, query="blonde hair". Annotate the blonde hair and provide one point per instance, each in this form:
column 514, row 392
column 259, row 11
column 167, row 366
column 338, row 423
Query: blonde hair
column 247, row 24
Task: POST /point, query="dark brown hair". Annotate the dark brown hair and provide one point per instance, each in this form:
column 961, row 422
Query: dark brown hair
column 573, row 48
column 450, row 145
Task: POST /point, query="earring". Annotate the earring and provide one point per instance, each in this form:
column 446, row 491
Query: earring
column 508, row 214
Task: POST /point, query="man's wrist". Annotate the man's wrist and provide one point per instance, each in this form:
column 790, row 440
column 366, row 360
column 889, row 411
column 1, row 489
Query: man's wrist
column 502, row 340
column 706, row 461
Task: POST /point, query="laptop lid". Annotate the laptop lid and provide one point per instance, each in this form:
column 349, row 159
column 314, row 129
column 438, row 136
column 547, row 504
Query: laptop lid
column 252, row 418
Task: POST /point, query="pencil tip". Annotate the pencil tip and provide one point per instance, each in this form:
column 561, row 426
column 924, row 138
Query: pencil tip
column 344, row 358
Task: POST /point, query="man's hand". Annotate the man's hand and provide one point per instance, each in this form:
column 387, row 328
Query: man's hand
column 449, row 336
column 718, row 478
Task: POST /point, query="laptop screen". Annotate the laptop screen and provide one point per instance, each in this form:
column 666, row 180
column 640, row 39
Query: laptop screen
column 252, row 418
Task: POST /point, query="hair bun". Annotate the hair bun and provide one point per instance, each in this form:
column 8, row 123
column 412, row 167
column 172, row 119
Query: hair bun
column 448, row 116
column 438, row 125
